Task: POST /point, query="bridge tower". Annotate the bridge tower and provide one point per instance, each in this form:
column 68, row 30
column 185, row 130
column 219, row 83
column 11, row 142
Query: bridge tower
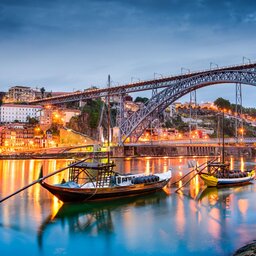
column 155, row 123
column 192, row 112
column 239, row 129
column 120, row 117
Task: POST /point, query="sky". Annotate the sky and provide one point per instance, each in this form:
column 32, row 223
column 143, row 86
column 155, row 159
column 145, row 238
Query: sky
column 67, row 45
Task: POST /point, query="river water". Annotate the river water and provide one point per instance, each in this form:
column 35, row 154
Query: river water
column 195, row 221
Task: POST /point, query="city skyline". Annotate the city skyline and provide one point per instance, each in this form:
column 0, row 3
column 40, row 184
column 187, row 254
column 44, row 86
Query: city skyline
column 66, row 46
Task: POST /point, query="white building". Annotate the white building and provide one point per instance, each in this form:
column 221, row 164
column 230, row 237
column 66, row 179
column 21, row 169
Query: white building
column 14, row 112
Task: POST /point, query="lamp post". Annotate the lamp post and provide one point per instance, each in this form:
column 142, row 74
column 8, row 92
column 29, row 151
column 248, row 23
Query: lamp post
column 185, row 69
column 134, row 78
column 242, row 133
column 245, row 58
column 213, row 64
column 157, row 74
column 223, row 152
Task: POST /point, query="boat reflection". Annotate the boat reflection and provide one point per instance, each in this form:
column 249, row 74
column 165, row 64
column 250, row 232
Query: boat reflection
column 219, row 200
column 95, row 218
column 215, row 195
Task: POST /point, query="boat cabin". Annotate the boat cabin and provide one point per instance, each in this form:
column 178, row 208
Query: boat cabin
column 98, row 175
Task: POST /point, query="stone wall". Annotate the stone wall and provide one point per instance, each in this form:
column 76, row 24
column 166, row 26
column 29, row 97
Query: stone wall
column 189, row 150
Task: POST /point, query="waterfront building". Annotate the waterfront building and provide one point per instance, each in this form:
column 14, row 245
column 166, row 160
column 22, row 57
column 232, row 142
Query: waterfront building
column 20, row 94
column 10, row 113
column 17, row 135
column 67, row 114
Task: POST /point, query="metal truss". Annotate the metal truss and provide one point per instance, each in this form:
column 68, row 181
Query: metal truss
column 154, row 84
column 135, row 125
column 173, row 87
column 239, row 104
column 192, row 111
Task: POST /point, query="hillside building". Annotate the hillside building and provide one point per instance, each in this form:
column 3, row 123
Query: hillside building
column 10, row 113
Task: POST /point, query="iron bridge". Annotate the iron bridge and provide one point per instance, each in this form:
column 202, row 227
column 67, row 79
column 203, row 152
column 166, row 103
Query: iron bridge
column 172, row 88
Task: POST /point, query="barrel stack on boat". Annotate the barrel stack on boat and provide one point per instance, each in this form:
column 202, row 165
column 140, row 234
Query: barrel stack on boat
column 98, row 181
column 219, row 175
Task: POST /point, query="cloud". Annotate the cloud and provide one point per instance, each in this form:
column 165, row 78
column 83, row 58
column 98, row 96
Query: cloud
column 72, row 44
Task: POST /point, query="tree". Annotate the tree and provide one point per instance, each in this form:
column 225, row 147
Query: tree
column 42, row 90
column 222, row 103
column 141, row 99
column 93, row 108
column 32, row 120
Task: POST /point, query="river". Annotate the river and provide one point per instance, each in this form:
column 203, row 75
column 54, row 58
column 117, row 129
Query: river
column 195, row 221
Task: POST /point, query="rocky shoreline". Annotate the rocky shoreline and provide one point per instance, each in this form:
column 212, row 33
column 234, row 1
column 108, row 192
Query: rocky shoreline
column 247, row 250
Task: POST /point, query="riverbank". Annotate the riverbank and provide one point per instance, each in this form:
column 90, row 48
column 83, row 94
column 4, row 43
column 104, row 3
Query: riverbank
column 52, row 155
column 135, row 151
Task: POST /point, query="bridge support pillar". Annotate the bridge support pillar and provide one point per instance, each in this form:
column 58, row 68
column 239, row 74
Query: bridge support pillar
column 120, row 118
column 239, row 122
column 81, row 103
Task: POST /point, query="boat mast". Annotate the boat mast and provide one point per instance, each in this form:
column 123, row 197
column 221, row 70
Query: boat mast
column 108, row 124
column 223, row 153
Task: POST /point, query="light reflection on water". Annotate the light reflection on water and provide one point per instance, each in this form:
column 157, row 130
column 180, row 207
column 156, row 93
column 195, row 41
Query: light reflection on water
column 196, row 221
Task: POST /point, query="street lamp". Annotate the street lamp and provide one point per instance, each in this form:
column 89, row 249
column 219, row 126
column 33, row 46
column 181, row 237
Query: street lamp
column 157, row 74
column 213, row 64
column 242, row 133
column 185, row 69
column 245, row 58
column 134, row 78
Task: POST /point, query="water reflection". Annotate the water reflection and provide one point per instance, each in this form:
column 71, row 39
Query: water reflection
column 97, row 218
column 197, row 221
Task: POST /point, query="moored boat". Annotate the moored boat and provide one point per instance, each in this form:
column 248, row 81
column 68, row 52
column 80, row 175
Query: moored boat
column 219, row 175
column 97, row 181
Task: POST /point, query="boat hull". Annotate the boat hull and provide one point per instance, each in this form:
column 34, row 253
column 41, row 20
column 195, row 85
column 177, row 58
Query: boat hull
column 92, row 194
column 211, row 181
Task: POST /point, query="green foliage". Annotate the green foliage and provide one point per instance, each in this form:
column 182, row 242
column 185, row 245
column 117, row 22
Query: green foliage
column 222, row 103
column 55, row 130
column 141, row 99
column 42, row 90
column 177, row 123
column 93, row 108
column 32, row 120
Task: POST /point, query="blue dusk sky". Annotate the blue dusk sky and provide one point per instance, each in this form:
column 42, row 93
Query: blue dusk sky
column 66, row 45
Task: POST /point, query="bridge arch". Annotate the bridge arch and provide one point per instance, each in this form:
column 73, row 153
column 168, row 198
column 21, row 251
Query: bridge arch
column 140, row 120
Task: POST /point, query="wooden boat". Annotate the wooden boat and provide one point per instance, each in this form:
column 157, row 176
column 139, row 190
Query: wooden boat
column 219, row 175
column 97, row 181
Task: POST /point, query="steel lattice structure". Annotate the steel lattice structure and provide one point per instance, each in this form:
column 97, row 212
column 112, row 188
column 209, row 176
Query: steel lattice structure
column 135, row 125
column 173, row 88
column 134, row 87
